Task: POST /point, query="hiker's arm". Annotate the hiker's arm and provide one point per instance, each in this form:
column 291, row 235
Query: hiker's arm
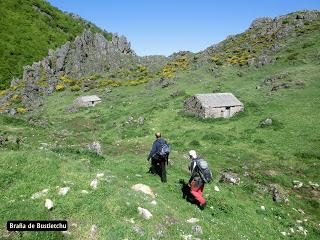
column 153, row 151
column 193, row 171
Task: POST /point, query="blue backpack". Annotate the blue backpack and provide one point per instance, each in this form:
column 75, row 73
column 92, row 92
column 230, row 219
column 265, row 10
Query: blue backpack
column 204, row 170
column 164, row 150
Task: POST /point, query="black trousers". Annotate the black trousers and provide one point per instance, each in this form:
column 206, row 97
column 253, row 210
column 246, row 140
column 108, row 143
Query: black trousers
column 159, row 167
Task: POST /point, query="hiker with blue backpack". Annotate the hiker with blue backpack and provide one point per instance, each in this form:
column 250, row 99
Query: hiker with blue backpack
column 159, row 155
column 200, row 175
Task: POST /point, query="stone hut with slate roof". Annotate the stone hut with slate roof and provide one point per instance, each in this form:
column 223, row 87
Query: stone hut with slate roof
column 87, row 101
column 213, row 105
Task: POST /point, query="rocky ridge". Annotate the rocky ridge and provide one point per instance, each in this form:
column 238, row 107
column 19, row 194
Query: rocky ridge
column 89, row 54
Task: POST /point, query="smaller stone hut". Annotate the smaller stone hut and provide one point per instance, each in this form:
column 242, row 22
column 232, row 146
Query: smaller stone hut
column 87, row 101
column 213, row 105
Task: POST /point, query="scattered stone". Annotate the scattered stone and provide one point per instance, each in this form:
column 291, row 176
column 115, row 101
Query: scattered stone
column 193, row 220
column 99, row 175
column 266, row 122
column 66, row 233
column 300, row 83
column 291, row 230
column 143, row 188
column 48, row 204
column 216, row 188
column 170, row 220
column 63, row 191
column 130, row 120
column 108, row 90
column 146, row 214
column 131, row 220
column 197, row 229
column 71, row 109
column 314, row 185
column 3, row 140
column 94, row 183
column 95, row 147
column 141, row 120
column 40, row 194
column 93, row 231
column 278, row 194
column 84, row 191
column 138, row 175
column 270, row 173
column 189, row 237
column 297, row 184
column 154, row 202
column 284, row 233
column 263, row 208
column 138, row 230
column 300, row 229
column 301, row 211
column 229, row 177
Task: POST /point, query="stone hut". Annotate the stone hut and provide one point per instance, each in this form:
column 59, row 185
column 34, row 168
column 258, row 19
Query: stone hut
column 213, row 105
column 87, row 101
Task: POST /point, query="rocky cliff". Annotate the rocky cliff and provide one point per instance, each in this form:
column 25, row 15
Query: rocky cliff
column 89, row 54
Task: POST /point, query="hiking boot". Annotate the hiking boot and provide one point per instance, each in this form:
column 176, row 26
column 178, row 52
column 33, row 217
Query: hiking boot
column 202, row 206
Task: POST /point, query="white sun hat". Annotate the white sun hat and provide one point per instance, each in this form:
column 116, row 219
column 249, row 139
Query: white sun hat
column 193, row 154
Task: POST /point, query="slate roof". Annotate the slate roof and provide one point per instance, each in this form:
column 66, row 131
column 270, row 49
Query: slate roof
column 92, row 98
column 218, row 100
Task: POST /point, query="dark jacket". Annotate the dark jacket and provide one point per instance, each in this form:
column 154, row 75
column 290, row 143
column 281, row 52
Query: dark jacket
column 156, row 147
column 195, row 175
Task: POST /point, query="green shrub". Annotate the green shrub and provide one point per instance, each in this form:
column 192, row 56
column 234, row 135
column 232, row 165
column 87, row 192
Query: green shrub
column 75, row 88
column 60, row 87
column 293, row 56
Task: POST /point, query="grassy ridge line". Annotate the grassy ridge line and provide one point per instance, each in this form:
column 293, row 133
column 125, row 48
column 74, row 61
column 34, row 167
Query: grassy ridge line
column 29, row 29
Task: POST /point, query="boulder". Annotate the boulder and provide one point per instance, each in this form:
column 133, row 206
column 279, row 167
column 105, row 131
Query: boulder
column 266, row 122
column 63, row 191
column 94, row 183
column 193, row 220
column 138, row 230
column 141, row 120
column 229, row 177
column 95, row 147
column 48, row 204
column 146, row 214
column 93, row 232
column 196, row 229
column 278, row 193
column 40, row 194
column 143, row 188
column 297, row 184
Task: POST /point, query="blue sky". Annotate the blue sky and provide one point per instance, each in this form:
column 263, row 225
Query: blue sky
column 167, row 26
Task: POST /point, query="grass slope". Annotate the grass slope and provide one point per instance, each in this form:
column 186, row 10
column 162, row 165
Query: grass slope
column 28, row 29
column 54, row 155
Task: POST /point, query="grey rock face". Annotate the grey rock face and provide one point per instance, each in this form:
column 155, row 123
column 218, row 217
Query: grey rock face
column 261, row 21
column 90, row 53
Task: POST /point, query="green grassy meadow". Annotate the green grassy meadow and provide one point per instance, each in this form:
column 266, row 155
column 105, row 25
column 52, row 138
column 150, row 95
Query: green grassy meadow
column 55, row 154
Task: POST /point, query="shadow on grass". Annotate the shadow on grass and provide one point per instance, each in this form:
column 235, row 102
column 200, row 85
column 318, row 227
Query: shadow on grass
column 186, row 193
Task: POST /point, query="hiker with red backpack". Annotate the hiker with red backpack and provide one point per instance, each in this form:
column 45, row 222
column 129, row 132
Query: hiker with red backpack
column 200, row 175
column 159, row 155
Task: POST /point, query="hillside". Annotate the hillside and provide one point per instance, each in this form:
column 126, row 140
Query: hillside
column 47, row 148
column 29, row 28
